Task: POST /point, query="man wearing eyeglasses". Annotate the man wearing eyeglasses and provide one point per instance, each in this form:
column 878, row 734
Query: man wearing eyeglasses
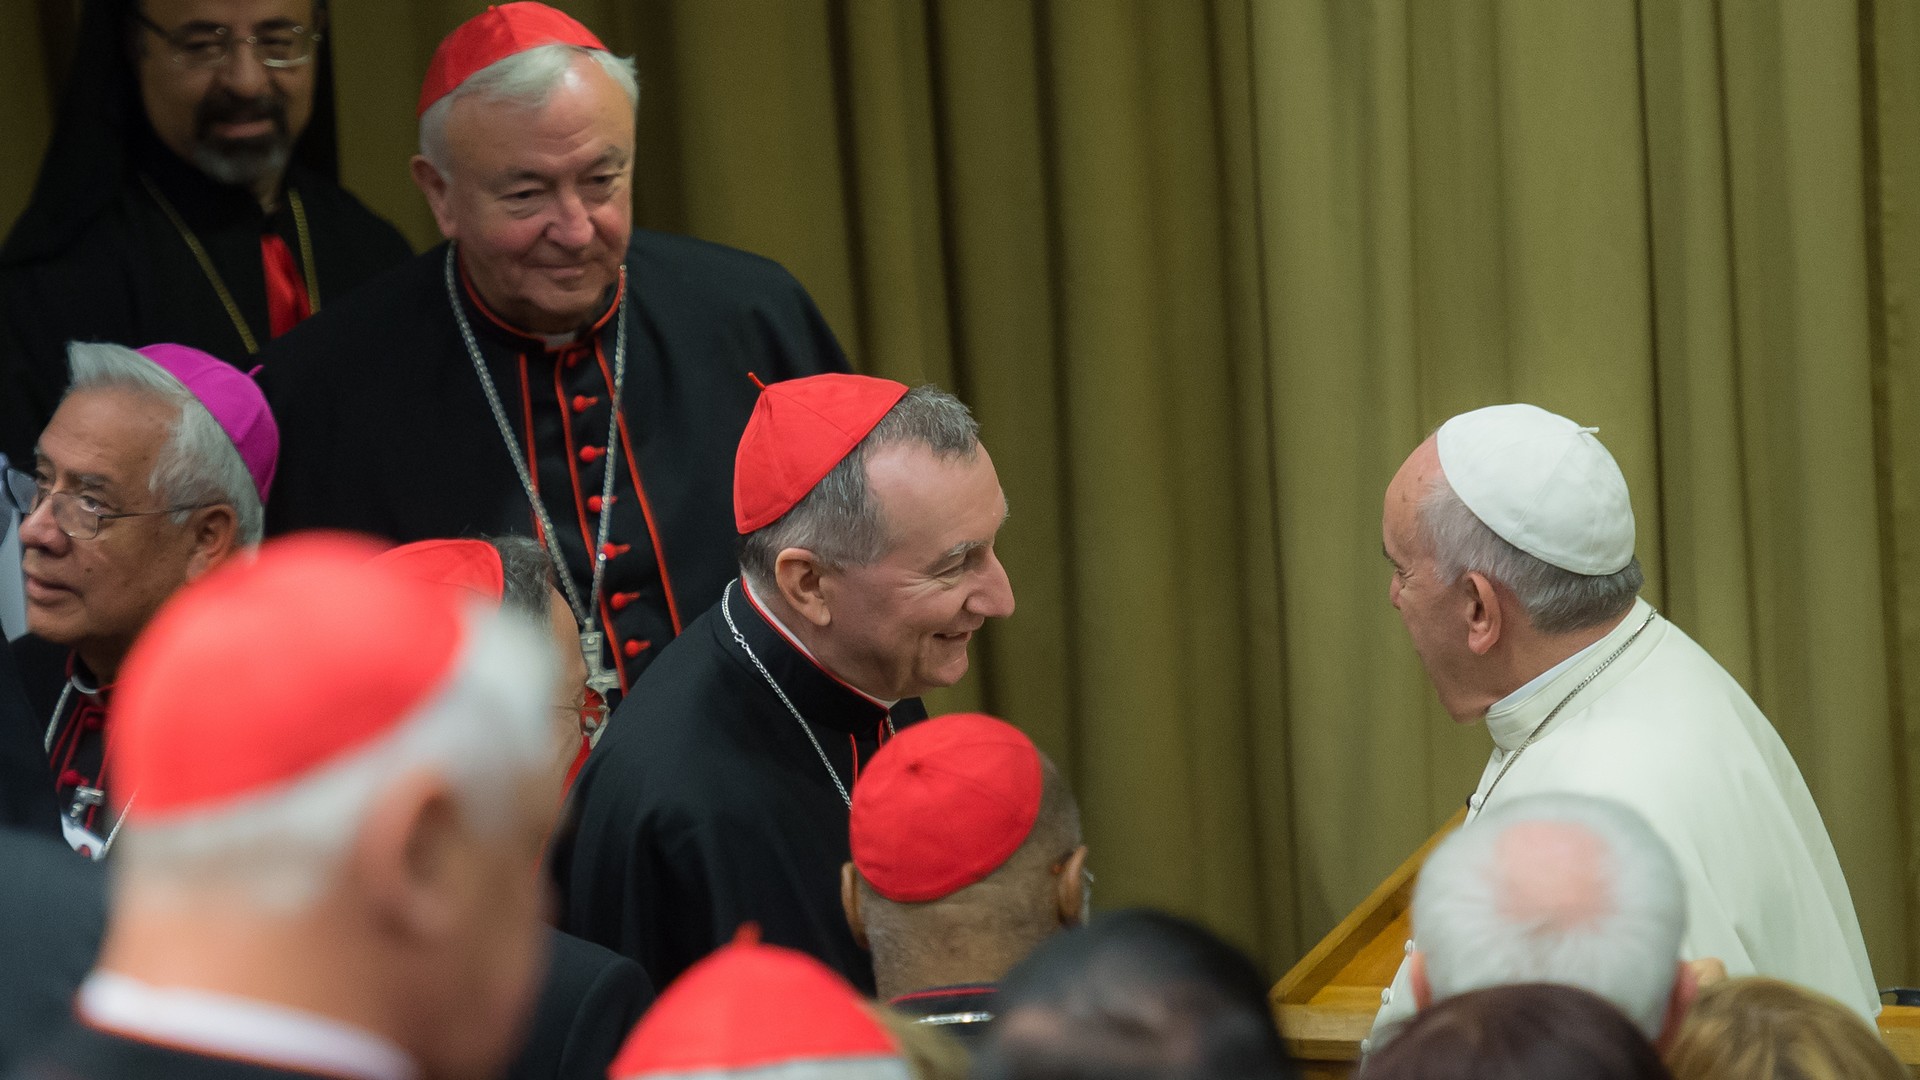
column 189, row 194
column 153, row 471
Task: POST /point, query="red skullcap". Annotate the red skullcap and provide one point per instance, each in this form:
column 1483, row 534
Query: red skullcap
column 750, row 1006
column 501, row 31
column 800, row 429
column 942, row 805
column 269, row 669
column 472, row 565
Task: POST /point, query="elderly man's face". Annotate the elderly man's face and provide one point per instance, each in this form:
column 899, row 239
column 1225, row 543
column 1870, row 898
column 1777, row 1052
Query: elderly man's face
column 901, row 626
column 540, row 200
column 94, row 596
column 1434, row 614
column 237, row 121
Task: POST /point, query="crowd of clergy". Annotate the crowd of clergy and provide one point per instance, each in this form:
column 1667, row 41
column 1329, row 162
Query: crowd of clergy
column 512, row 666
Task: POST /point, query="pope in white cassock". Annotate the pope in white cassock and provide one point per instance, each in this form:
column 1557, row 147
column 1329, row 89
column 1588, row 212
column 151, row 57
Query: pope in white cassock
column 1511, row 539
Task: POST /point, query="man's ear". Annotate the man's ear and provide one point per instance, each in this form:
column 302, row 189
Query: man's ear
column 216, row 535
column 409, row 858
column 1417, row 979
column 801, row 581
column 1686, row 988
column 1070, row 888
column 850, row 904
column 434, row 186
column 1483, row 617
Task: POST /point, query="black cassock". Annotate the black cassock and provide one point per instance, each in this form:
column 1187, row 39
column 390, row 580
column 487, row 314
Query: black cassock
column 130, row 277
column 706, row 806
column 53, row 910
column 385, row 428
column 80, row 1052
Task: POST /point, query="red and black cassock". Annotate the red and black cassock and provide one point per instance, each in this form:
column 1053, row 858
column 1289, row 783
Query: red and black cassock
column 385, row 428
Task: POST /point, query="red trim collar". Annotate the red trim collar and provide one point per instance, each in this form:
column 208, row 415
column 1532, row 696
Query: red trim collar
column 539, row 341
column 773, row 623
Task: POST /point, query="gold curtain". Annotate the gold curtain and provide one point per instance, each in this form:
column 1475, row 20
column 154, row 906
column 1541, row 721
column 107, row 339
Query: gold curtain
column 1208, row 270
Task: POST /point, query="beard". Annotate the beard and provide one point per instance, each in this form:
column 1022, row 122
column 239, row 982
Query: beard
column 241, row 161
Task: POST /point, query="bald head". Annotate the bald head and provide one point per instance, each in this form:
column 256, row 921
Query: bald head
column 1554, row 888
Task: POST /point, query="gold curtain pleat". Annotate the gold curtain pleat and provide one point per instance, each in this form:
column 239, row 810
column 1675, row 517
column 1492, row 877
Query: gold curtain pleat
column 1207, row 271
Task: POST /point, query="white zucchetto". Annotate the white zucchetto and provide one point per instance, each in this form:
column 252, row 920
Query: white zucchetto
column 1543, row 484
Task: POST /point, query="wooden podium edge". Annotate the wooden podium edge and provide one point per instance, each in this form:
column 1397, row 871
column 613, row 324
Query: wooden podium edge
column 1338, row 948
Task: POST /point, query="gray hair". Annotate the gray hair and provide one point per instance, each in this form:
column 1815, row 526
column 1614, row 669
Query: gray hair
column 526, row 79
column 1624, row 946
column 527, row 576
column 839, row 520
column 1556, row 601
column 199, row 463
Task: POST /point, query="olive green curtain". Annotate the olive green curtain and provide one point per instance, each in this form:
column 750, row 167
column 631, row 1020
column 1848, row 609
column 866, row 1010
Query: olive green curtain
column 1208, row 270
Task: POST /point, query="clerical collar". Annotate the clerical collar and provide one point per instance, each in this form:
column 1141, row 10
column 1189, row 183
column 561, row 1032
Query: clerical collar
column 527, row 339
column 780, row 627
column 201, row 1021
column 1515, row 716
column 83, row 679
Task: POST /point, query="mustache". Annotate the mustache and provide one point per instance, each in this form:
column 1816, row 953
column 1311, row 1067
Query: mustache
column 221, row 107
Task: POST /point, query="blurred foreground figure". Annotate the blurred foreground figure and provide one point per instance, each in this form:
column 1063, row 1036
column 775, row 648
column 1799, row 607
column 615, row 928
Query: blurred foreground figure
column 591, row 995
column 152, row 473
column 966, row 855
column 1136, row 995
column 338, row 780
column 1555, row 888
column 1542, row 1031
column 759, row 1011
column 550, row 370
column 720, row 794
column 1511, row 538
column 1765, row 1029
column 190, row 193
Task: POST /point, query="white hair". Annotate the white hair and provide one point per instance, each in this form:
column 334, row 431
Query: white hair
column 485, row 729
column 1623, row 944
column 526, row 79
column 199, row 463
column 1556, row 601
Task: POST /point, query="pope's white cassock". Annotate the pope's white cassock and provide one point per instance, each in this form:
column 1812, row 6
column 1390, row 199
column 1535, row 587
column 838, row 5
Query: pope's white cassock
column 1667, row 731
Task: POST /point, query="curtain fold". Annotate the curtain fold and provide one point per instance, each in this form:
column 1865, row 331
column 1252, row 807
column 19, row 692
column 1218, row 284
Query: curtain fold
column 1207, row 270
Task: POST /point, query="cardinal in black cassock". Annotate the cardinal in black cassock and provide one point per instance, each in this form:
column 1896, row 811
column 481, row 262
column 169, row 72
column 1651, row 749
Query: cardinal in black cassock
column 106, row 248
column 387, row 427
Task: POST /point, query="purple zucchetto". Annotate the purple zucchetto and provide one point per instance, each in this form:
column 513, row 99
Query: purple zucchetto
column 235, row 401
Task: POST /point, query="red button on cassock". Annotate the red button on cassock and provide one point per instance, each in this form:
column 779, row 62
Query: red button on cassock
column 614, row 551
column 633, row 648
column 620, row 600
column 581, row 402
column 594, row 504
column 591, row 454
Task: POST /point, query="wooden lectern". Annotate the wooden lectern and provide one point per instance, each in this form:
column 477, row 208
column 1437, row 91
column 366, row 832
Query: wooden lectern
column 1326, row 1004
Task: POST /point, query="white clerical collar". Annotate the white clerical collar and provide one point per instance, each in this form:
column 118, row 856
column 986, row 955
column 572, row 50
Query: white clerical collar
column 1540, row 681
column 1514, row 717
column 774, row 621
column 227, row 1026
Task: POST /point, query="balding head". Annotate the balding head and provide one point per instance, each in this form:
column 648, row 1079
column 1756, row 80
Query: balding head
column 1554, row 888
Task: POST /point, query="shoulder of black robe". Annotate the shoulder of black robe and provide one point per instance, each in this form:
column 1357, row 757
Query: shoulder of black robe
column 26, row 780
column 706, row 806
column 589, row 1001
column 53, row 911
column 384, row 428
column 79, row 1052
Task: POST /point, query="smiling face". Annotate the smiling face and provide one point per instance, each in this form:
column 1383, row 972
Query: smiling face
column 901, row 625
column 236, row 121
column 539, row 199
column 95, row 595
column 1435, row 614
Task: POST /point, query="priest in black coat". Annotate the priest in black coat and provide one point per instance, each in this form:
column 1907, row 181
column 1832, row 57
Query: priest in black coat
column 719, row 795
column 550, row 371
column 188, row 194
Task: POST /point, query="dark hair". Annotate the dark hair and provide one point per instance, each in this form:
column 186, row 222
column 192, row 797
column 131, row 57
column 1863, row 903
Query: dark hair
column 526, row 575
column 1135, row 995
column 1522, row 1031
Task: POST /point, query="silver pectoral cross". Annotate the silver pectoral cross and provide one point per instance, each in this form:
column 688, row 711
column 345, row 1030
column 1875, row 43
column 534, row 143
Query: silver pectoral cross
column 601, row 679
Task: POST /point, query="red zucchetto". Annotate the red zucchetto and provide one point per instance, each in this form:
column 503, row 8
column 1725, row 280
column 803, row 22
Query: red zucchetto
column 942, row 805
column 800, row 429
column 470, row 565
column 493, row 35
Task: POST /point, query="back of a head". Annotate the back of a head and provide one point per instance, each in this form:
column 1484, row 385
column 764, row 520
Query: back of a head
column 1554, row 888
column 1136, row 994
column 1765, row 1029
column 1538, row 1031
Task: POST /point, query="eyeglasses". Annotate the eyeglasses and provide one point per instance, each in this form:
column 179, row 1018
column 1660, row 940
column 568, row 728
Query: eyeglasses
column 79, row 516
column 212, row 46
column 591, row 712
